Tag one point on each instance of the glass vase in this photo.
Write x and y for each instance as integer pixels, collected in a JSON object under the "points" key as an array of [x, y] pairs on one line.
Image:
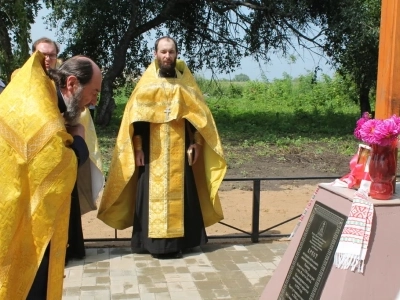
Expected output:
{"points": [[382, 170]]}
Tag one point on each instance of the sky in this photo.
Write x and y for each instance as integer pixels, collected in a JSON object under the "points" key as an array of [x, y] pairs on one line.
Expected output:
{"points": [[305, 61]]}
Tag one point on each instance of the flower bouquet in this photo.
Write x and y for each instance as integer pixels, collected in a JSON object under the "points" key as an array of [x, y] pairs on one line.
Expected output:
{"points": [[378, 132], [382, 137]]}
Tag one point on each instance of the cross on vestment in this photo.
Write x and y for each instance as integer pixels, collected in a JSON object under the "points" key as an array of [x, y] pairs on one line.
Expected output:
{"points": [[167, 112]]}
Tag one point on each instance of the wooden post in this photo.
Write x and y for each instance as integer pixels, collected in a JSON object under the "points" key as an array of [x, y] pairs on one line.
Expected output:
{"points": [[388, 84]]}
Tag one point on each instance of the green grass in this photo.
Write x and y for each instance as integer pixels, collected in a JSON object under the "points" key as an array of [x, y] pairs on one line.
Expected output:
{"points": [[286, 116]]}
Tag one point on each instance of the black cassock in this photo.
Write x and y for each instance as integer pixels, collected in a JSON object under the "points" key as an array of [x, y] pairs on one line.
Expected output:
{"points": [[76, 245], [195, 234]]}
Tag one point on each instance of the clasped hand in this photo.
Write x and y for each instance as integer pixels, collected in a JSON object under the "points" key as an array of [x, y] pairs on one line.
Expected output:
{"points": [[77, 129], [197, 151]]}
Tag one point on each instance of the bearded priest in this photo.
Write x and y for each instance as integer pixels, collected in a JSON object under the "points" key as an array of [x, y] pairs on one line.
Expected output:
{"points": [[168, 163], [40, 156]]}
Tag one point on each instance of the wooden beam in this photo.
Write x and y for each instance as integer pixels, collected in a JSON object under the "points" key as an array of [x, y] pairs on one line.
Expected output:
{"points": [[388, 83]]}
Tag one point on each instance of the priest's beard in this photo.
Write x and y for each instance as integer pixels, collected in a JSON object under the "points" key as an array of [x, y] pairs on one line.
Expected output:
{"points": [[167, 70], [73, 112]]}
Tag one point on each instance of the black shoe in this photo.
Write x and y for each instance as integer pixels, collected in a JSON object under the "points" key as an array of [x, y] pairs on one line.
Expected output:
{"points": [[171, 255]]}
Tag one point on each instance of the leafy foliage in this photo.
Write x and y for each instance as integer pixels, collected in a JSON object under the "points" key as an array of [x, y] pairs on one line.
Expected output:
{"points": [[15, 20], [352, 41], [211, 34], [241, 77]]}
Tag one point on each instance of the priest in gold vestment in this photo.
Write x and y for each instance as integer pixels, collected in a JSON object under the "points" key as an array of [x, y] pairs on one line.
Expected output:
{"points": [[38, 173], [90, 180], [39, 157], [151, 184]]}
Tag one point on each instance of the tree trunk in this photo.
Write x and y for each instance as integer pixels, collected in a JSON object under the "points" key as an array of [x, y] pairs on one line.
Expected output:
{"points": [[365, 106], [107, 102], [7, 58]]}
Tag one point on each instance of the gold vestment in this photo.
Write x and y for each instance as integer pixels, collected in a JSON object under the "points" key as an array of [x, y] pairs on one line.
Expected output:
{"points": [[38, 173], [165, 103], [90, 182]]}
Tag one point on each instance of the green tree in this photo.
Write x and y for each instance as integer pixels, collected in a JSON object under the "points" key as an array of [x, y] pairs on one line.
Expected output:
{"points": [[16, 17], [241, 77], [213, 34], [352, 41]]}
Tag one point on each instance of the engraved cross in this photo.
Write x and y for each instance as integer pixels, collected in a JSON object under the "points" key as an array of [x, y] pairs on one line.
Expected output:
{"points": [[12, 108], [167, 112]]}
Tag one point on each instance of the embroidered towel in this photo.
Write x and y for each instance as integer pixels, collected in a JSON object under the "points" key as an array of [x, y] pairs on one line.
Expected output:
{"points": [[353, 243]]}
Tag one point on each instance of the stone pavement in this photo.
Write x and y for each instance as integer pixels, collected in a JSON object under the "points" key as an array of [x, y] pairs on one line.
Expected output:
{"points": [[213, 271]]}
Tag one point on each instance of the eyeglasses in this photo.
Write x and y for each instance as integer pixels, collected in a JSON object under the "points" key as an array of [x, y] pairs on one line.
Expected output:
{"points": [[50, 56]]}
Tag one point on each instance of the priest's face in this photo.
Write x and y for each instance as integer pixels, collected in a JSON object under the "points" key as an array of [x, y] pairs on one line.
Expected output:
{"points": [[73, 112], [50, 52], [166, 55], [91, 90]]}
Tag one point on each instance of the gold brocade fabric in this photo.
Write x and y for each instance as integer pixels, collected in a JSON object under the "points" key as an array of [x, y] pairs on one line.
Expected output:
{"points": [[164, 101], [167, 142], [90, 175], [91, 138], [37, 175]]}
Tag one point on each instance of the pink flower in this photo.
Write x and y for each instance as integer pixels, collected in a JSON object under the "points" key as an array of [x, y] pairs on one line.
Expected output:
{"points": [[367, 130], [365, 117], [396, 119], [386, 132], [379, 132]]}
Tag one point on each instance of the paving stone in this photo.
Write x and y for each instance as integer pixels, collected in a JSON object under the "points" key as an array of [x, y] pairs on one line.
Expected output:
{"points": [[153, 288], [174, 286], [182, 270], [120, 251], [163, 296], [147, 296], [88, 281], [178, 277], [221, 294], [225, 266], [103, 264], [102, 280], [72, 291], [185, 295], [142, 279], [149, 271], [95, 272], [160, 277], [209, 285], [240, 248], [125, 296], [213, 271], [75, 273], [207, 294], [72, 283], [188, 286], [126, 273]]}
